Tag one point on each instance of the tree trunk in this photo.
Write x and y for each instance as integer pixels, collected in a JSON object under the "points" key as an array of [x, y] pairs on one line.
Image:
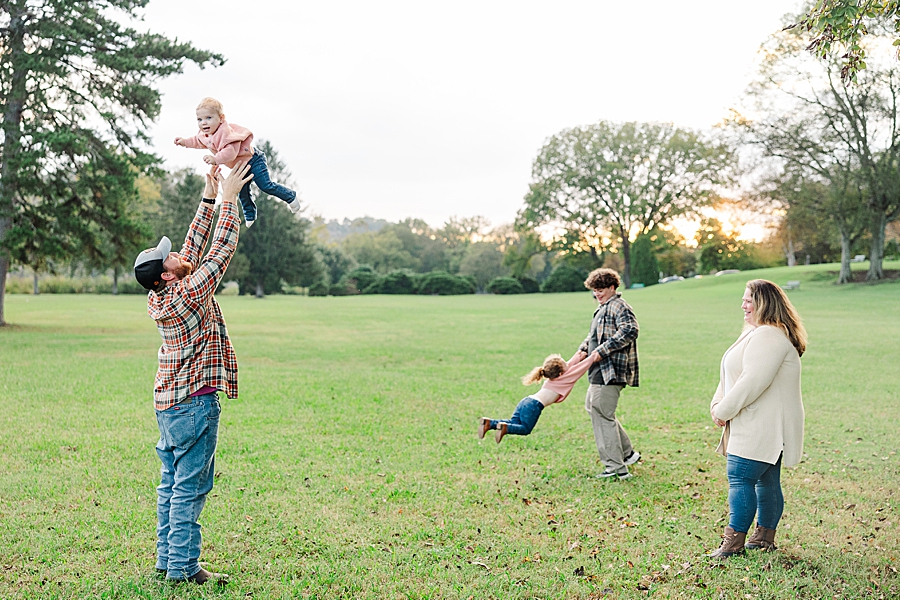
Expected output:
{"points": [[876, 251], [37, 290], [260, 293], [626, 257], [115, 288], [12, 132], [4, 269], [845, 276], [789, 253]]}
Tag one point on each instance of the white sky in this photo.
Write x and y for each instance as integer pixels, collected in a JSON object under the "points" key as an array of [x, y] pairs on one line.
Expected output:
{"points": [[432, 109]]}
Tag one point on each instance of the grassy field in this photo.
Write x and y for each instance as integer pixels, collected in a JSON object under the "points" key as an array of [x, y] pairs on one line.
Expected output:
{"points": [[349, 466]]}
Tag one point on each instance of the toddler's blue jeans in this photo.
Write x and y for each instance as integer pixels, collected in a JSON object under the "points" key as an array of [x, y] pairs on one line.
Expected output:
{"points": [[524, 418], [260, 170]]}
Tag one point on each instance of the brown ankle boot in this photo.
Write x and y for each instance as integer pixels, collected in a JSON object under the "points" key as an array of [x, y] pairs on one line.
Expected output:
{"points": [[501, 431], [732, 544], [762, 539]]}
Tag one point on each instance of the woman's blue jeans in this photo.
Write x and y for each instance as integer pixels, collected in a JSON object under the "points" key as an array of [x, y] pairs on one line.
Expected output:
{"points": [[524, 418], [188, 433], [260, 170], [754, 488]]}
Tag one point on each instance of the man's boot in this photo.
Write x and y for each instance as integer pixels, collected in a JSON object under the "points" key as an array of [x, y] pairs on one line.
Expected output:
{"points": [[732, 544], [762, 539]]}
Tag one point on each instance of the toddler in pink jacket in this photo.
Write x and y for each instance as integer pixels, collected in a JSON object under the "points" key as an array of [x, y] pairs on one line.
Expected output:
{"points": [[231, 144], [561, 377]]}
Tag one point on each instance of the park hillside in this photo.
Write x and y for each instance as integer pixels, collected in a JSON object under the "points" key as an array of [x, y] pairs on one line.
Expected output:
{"points": [[349, 466]]}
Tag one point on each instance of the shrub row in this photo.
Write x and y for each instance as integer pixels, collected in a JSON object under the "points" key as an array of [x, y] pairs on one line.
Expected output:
{"points": [[365, 281], [72, 285]]}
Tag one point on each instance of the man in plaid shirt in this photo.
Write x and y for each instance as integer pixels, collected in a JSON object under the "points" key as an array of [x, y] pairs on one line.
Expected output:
{"points": [[196, 360], [614, 332]]}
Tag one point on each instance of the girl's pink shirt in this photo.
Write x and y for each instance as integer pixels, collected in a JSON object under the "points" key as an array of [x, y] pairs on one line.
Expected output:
{"points": [[230, 144], [563, 384]]}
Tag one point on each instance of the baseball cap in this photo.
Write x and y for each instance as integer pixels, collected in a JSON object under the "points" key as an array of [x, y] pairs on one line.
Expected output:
{"points": [[148, 268]]}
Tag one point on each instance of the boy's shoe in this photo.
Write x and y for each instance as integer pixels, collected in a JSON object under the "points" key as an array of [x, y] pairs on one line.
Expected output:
{"points": [[484, 424], [249, 222], [294, 205], [607, 474], [501, 431], [635, 456]]}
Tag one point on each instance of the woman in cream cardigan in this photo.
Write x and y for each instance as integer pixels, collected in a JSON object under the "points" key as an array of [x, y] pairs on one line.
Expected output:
{"points": [[758, 403]]}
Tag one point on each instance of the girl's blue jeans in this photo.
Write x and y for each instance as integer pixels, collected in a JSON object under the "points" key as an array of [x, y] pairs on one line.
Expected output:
{"points": [[754, 488], [260, 170], [524, 418], [188, 433]]}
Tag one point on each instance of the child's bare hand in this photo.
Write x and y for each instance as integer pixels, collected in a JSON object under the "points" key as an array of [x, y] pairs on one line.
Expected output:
{"points": [[209, 159], [179, 141]]}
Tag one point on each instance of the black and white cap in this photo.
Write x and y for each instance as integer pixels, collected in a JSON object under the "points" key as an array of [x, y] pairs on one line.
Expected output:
{"points": [[148, 268]]}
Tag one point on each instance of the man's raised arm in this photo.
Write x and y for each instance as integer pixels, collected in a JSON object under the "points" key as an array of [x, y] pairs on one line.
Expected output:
{"points": [[198, 232], [203, 282]]}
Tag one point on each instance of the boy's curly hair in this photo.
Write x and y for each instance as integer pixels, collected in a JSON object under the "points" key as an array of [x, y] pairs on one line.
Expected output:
{"points": [[553, 367], [212, 104], [600, 279]]}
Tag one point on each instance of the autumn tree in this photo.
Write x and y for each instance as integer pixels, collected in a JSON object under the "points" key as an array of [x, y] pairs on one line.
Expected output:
{"points": [[623, 179], [846, 138]]}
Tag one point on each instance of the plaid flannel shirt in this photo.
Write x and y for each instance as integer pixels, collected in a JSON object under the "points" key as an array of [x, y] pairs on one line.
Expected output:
{"points": [[196, 351], [614, 332]]}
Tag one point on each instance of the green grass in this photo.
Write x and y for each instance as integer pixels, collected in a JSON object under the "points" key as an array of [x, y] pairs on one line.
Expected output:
{"points": [[349, 467]]}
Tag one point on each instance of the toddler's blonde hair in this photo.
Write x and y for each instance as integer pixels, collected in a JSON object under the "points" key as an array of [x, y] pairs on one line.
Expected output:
{"points": [[212, 104], [553, 367]]}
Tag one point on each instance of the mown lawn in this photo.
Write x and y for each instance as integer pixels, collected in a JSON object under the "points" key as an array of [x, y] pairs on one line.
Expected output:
{"points": [[349, 466]]}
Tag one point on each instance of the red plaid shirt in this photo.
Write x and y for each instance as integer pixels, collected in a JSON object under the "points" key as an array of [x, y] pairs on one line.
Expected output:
{"points": [[196, 351]]}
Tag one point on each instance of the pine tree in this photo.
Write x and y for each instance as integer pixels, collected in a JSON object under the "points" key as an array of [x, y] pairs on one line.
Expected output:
{"points": [[76, 87]]}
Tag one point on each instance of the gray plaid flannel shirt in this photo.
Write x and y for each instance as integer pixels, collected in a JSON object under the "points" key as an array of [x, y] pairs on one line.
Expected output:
{"points": [[614, 332]]}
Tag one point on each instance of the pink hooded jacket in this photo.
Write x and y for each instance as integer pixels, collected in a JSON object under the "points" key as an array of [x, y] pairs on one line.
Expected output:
{"points": [[230, 144]]}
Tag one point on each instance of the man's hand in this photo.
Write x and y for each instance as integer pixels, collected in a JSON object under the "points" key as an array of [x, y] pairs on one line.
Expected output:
{"points": [[580, 356], [595, 355], [212, 184], [209, 159], [232, 184], [179, 141]]}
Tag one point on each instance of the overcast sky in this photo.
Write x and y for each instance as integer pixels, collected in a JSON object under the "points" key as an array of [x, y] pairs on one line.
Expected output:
{"points": [[434, 109]]}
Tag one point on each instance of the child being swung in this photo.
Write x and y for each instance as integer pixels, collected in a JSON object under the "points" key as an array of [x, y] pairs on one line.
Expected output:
{"points": [[231, 144], [561, 377]]}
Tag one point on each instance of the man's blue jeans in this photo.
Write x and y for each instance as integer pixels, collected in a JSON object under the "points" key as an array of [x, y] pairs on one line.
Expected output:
{"points": [[261, 178], [754, 487], [524, 418], [187, 446]]}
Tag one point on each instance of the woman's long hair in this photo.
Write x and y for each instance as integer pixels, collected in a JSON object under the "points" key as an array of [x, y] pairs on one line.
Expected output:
{"points": [[553, 367], [771, 306]]}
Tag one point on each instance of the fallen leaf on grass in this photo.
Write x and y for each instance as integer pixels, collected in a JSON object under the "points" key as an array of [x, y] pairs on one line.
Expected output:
{"points": [[478, 564], [248, 517]]}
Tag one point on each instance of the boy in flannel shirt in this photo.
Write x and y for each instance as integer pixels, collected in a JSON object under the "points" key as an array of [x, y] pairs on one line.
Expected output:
{"points": [[196, 360], [613, 335]]}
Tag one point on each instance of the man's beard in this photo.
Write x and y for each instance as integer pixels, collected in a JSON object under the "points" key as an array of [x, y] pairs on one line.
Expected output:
{"points": [[182, 270]]}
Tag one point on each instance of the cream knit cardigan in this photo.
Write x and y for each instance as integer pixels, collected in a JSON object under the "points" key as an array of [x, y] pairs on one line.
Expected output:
{"points": [[759, 398]]}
